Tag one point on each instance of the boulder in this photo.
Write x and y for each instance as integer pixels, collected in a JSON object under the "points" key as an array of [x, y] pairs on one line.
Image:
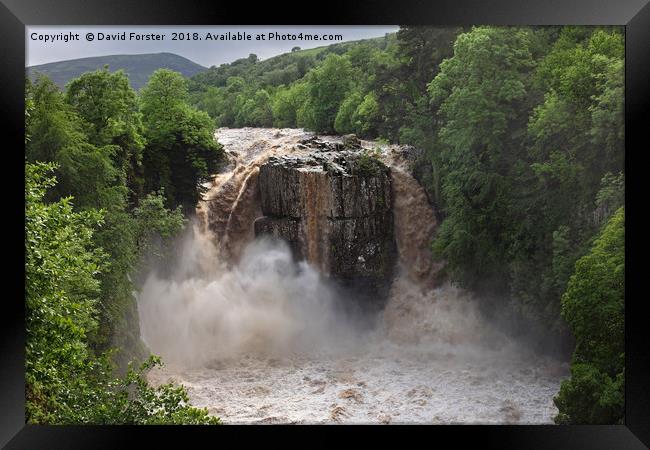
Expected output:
{"points": [[351, 141]]}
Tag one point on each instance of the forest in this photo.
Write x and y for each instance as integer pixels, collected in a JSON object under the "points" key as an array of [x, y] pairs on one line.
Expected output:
{"points": [[521, 132]]}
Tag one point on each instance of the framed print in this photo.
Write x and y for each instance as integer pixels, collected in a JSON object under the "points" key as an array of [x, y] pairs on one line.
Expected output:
{"points": [[415, 214]]}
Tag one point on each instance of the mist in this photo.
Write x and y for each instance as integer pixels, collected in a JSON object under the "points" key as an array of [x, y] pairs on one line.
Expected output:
{"points": [[270, 305], [267, 304]]}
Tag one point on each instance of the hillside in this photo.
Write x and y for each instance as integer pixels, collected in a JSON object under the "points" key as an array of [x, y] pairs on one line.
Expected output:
{"points": [[281, 69], [137, 67]]}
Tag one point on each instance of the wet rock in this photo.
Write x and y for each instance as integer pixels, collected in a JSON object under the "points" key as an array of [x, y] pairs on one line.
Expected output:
{"points": [[335, 210], [319, 145], [285, 228], [351, 141]]}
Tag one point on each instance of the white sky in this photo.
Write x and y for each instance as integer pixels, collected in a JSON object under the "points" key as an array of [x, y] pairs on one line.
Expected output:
{"points": [[206, 53]]}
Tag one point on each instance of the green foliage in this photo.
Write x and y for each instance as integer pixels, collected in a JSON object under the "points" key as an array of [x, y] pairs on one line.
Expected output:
{"points": [[367, 116], [81, 259], [610, 197], [131, 400], [401, 79], [593, 306], [480, 101], [181, 151], [60, 292], [522, 142], [479, 97], [93, 174], [256, 111], [288, 105], [567, 160], [279, 70], [154, 227], [423, 48], [153, 219], [346, 117], [87, 173], [327, 86], [369, 87], [582, 114], [367, 164], [66, 382], [591, 397], [52, 123], [110, 115]]}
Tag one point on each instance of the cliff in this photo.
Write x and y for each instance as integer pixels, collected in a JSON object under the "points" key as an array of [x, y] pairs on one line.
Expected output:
{"points": [[334, 208]]}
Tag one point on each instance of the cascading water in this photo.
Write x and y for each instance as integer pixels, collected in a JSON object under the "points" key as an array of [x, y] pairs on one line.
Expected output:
{"points": [[257, 337]]}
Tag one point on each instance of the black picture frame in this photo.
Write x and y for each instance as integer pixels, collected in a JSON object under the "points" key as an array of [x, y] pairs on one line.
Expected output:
{"points": [[633, 14]]}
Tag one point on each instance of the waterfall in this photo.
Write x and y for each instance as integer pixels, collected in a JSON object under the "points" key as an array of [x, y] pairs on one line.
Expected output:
{"points": [[262, 333]]}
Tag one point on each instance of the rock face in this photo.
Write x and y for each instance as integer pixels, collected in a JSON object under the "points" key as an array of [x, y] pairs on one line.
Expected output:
{"points": [[334, 208]]}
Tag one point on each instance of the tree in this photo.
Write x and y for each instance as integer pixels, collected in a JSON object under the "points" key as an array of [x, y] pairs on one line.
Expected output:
{"points": [[101, 105], [181, 152], [593, 306], [288, 105], [582, 113], [574, 140], [400, 76], [424, 48], [111, 115], [367, 116], [66, 383], [256, 111], [52, 123], [219, 103], [482, 96], [346, 115], [89, 172], [327, 86], [61, 290], [106, 173], [358, 114]]}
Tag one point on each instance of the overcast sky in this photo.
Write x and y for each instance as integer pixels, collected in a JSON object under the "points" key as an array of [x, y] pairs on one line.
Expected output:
{"points": [[204, 52]]}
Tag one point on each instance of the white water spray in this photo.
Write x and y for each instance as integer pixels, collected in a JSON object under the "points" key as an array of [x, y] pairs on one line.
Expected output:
{"points": [[266, 305]]}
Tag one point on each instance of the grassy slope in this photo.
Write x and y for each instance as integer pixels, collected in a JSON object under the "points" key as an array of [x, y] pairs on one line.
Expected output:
{"points": [[280, 69]]}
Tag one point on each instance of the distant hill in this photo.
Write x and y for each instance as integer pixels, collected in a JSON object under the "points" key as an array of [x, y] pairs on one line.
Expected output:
{"points": [[137, 67]]}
